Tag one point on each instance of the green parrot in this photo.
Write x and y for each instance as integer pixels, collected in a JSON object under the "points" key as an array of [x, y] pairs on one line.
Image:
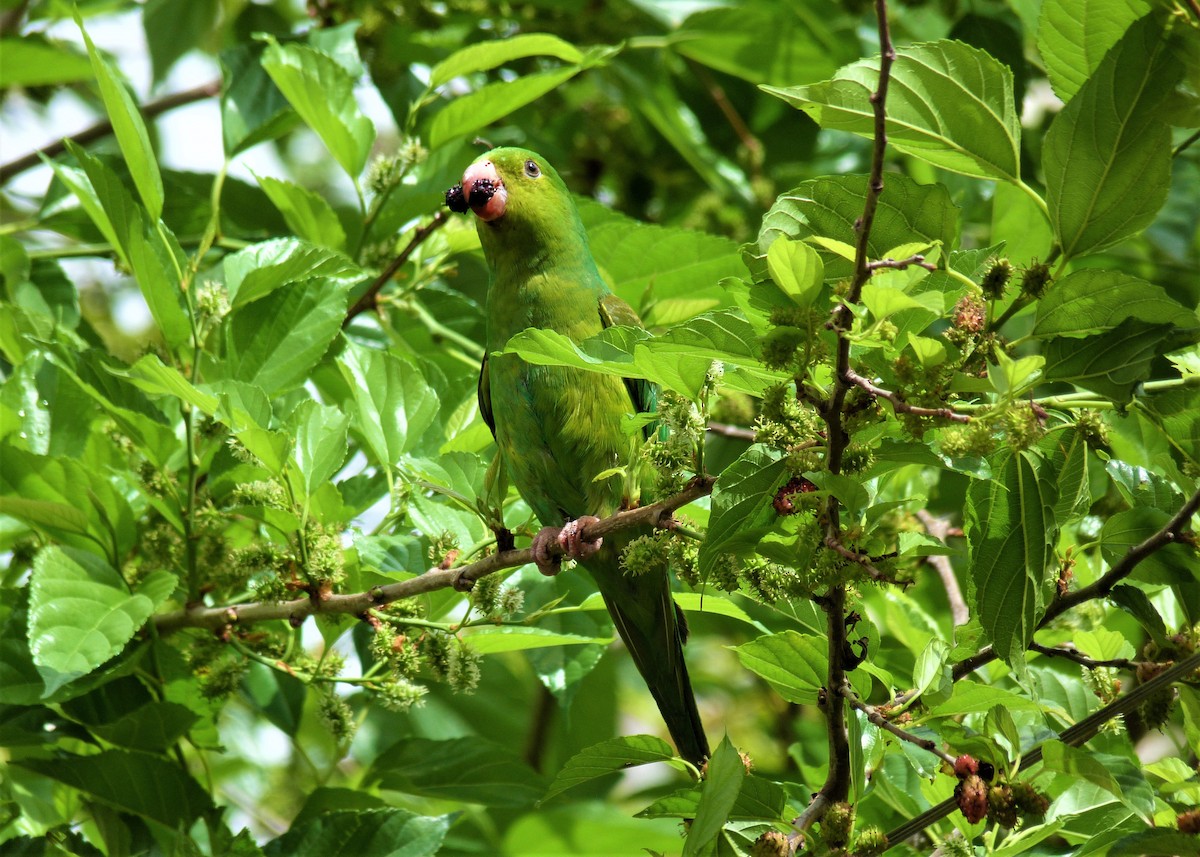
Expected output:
{"points": [[558, 428]]}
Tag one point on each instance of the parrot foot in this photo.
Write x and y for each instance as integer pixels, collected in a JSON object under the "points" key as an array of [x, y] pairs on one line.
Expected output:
{"points": [[571, 538], [548, 563]]}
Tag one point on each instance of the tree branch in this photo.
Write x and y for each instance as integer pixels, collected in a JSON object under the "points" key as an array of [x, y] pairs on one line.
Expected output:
{"points": [[939, 528], [898, 404], [370, 298], [104, 127], [901, 264], [461, 578], [1077, 735], [874, 715], [1082, 659], [1170, 532], [737, 432]]}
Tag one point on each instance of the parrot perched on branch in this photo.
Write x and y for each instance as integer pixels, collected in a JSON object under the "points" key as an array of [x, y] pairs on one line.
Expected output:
{"points": [[558, 428]]}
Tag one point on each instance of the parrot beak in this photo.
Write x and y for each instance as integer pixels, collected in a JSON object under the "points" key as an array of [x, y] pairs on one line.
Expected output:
{"points": [[484, 191]]}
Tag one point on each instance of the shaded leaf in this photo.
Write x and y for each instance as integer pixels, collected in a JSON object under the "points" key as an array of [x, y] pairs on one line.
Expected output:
{"points": [[464, 769], [1092, 300], [362, 833], [488, 55], [1074, 35], [608, 757], [469, 113], [722, 784]]}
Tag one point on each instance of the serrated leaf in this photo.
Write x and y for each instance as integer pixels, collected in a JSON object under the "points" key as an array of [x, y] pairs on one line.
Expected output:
{"points": [[973, 698], [154, 727], [758, 800], [949, 104], [796, 665], [261, 268], [483, 56], [469, 113], [1112, 363], [173, 29], [393, 404], [796, 269], [741, 503], [489, 641], [362, 833], [81, 614], [1107, 155], [306, 213], [722, 783], [273, 342], [320, 448], [608, 757], [128, 127], [1074, 35], [759, 41], [1177, 414], [1091, 300], [1010, 532], [253, 109], [322, 92], [463, 769], [826, 208], [33, 61], [138, 783]]}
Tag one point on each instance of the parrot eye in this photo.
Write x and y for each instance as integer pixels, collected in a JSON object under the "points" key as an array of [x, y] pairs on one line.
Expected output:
{"points": [[532, 169]]}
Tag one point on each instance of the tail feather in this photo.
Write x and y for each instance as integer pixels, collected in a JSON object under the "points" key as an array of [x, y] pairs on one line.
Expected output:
{"points": [[654, 631]]}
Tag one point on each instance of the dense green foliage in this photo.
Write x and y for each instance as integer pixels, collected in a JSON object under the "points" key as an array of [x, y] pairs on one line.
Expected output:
{"points": [[956, 453]]}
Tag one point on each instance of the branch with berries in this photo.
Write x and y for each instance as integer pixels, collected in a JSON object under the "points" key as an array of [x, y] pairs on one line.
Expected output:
{"points": [[461, 577]]}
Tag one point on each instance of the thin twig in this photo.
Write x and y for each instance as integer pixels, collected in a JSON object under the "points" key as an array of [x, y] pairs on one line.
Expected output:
{"points": [[1075, 736], [370, 298], [104, 127], [1080, 658], [736, 432], [940, 529], [901, 264], [1170, 533], [898, 404], [863, 560], [296, 611], [1178, 150], [874, 715]]}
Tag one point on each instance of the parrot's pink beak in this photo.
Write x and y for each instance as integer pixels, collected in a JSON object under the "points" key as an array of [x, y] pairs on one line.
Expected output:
{"points": [[484, 190]]}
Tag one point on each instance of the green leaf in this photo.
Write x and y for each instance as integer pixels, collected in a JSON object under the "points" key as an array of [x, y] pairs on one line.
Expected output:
{"points": [[1107, 155], [463, 769], [1177, 414], [137, 783], [1111, 364], [1092, 300], [306, 213], [1090, 766], [33, 61], [667, 275], [608, 757], [273, 342], [492, 102], [320, 432], [173, 29], [20, 681], [1074, 35], [81, 613], [144, 243], [796, 665], [1163, 842], [261, 268], [362, 833], [394, 406], [761, 42], [488, 55], [1141, 488], [758, 800], [723, 782], [1010, 532], [742, 504], [949, 104], [129, 129], [322, 92], [155, 727], [1137, 604], [253, 109], [489, 641], [829, 206], [972, 698], [797, 269]]}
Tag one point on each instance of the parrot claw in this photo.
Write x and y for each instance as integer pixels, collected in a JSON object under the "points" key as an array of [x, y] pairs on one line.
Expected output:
{"points": [[548, 563], [571, 538]]}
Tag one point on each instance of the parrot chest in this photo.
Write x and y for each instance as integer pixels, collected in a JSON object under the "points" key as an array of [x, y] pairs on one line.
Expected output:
{"points": [[557, 429]]}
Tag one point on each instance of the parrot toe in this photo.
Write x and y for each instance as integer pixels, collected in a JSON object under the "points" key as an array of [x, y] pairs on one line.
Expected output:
{"points": [[548, 563], [571, 538]]}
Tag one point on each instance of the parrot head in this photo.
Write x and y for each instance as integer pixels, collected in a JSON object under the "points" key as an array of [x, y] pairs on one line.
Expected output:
{"points": [[515, 193]]}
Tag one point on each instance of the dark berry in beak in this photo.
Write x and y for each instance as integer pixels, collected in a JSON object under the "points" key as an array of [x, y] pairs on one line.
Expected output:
{"points": [[456, 200], [482, 191]]}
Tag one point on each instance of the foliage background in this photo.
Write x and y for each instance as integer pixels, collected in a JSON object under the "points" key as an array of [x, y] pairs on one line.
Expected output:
{"points": [[245, 444]]}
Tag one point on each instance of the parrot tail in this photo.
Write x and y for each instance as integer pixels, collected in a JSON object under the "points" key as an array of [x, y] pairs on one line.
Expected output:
{"points": [[654, 631]]}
